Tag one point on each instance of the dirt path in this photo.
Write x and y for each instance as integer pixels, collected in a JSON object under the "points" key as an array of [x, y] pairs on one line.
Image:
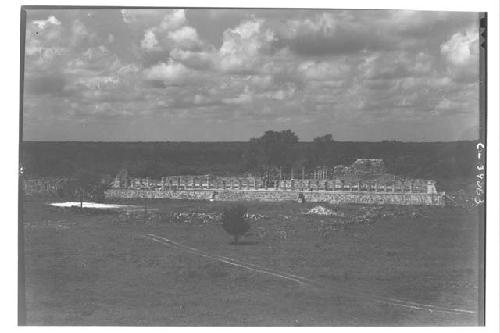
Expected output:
{"points": [[310, 283]]}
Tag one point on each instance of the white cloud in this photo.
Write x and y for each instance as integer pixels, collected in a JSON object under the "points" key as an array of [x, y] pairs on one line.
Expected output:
{"points": [[173, 19], [242, 45], [244, 98], [323, 23], [324, 70], [128, 69], [169, 71], [281, 94], [199, 60], [261, 82], [98, 82], [134, 16], [43, 42], [42, 24], [92, 62], [171, 32], [203, 100], [184, 36], [80, 34], [149, 42], [461, 48]]}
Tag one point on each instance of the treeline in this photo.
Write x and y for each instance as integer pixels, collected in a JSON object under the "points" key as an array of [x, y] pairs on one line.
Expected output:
{"points": [[450, 163]]}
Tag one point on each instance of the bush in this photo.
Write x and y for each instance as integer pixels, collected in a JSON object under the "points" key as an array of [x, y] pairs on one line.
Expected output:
{"points": [[234, 221]]}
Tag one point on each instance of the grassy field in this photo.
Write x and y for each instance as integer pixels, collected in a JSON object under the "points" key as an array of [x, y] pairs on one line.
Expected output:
{"points": [[99, 268]]}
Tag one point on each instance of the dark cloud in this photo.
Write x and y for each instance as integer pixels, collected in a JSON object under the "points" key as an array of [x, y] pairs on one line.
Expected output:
{"points": [[342, 43], [44, 85]]}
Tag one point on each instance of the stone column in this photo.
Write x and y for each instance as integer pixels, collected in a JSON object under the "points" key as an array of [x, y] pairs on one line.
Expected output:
{"points": [[431, 188], [292, 184]]}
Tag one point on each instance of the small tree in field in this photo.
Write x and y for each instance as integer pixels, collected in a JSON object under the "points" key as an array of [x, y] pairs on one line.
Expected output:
{"points": [[85, 184], [234, 221]]}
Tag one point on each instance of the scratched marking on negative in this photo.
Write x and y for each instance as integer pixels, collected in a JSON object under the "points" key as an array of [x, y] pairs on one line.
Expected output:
{"points": [[480, 175], [304, 281]]}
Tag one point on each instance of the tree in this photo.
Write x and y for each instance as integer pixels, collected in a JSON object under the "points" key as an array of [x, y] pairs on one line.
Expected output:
{"points": [[271, 150], [234, 221], [325, 139], [322, 150], [86, 184]]}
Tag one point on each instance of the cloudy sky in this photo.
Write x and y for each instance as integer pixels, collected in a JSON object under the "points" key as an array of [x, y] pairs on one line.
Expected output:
{"points": [[193, 75]]}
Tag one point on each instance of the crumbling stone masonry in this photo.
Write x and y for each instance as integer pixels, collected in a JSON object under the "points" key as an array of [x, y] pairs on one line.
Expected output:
{"points": [[365, 181], [411, 192], [43, 186], [334, 197]]}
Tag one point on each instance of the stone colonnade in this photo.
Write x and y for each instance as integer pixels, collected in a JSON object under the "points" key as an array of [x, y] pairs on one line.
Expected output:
{"points": [[253, 183]]}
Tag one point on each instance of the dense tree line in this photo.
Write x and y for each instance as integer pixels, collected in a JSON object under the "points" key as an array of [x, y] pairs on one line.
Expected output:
{"points": [[450, 163]]}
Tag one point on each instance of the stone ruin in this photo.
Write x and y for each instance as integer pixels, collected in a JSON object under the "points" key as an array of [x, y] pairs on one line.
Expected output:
{"points": [[364, 181], [362, 167]]}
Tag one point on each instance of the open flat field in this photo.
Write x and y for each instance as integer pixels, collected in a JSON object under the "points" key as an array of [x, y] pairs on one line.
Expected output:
{"points": [[366, 266]]}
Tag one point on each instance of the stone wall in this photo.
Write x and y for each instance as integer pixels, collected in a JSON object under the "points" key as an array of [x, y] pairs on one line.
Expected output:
{"points": [[334, 197], [250, 183], [43, 186]]}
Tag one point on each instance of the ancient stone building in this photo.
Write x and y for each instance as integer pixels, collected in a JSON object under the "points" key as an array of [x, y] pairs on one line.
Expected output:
{"points": [[365, 181]]}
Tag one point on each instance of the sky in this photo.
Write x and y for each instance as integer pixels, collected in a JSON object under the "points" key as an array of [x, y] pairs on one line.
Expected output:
{"points": [[231, 74]]}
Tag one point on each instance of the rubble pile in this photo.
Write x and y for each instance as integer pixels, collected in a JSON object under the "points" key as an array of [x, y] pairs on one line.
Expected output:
{"points": [[194, 217], [255, 217], [367, 215], [323, 211], [336, 220], [178, 217]]}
